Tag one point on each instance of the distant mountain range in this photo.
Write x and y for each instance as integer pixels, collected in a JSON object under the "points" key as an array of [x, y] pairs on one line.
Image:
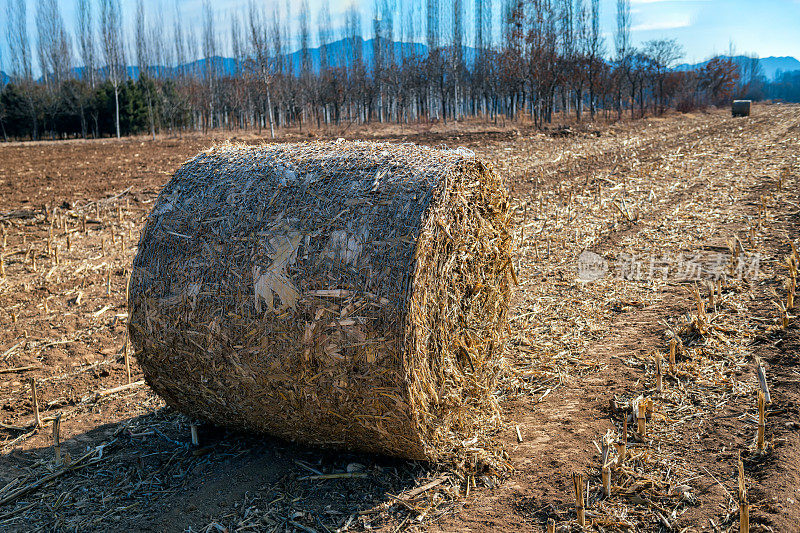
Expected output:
{"points": [[771, 66], [340, 52]]}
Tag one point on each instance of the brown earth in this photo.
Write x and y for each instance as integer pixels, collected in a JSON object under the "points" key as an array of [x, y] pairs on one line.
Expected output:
{"points": [[666, 188]]}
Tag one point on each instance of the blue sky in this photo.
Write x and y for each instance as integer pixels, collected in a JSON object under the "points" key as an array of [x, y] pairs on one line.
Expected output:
{"points": [[707, 27], [703, 27]]}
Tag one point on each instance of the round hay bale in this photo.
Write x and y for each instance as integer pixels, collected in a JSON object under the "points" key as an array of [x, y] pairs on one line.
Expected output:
{"points": [[345, 294]]}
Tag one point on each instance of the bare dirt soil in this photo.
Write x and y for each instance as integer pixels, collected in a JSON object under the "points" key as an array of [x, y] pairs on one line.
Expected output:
{"points": [[691, 219]]}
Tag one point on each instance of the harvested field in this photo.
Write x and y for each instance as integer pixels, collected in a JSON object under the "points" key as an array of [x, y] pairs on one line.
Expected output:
{"points": [[690, 221]]}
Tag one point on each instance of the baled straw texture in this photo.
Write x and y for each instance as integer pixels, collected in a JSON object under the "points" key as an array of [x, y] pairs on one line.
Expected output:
{"points": [[741, 108], [346, 294]]}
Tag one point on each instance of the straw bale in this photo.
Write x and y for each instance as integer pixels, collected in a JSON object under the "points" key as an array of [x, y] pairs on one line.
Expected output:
{"points": [[344, 294], [741, 108]]}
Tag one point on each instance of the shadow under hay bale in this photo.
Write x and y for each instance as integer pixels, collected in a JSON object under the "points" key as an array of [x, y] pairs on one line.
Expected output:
{"points": [[346, 294]]}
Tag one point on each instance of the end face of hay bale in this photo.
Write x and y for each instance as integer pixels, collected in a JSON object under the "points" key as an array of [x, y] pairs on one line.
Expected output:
{"points": [[350, 295], [741, 108]]}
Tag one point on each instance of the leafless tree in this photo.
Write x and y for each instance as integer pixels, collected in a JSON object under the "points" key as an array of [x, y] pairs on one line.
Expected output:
{"points": [[622, 44], [578, 70], [280, 65], [178, 39], [436, 92], [482, 66], [140, 44], [212, 66], [17, 39], [595, 52], [181, 54], [54, 51], [113, 48], [457, 57], [259, 45], [145, 53], [622, 37], [751, 77], [157, 50], [87, 51], [86, 40], [662, 54], [20, 52], [53, 44]]}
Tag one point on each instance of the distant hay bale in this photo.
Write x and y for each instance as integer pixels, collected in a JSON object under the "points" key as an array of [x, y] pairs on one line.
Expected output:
{"points": [[345, 294], [741, 108]]}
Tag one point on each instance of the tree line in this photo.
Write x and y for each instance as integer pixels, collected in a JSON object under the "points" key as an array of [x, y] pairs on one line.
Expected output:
{"points": [[295, 70]]}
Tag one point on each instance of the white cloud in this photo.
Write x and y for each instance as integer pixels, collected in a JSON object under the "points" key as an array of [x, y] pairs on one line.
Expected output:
{"points": [[673, 1], [669, 24]]}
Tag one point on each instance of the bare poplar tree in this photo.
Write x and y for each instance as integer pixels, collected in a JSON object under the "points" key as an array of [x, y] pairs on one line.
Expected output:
{"points": [[378, 47], [237, 45], [595, 50], [409, 25], [280, 66], [622, 45], [389, 63], [432, 27], [305, 49], [140, 40], [307, 86], [457, 56], [178, 40], [20, 52], [211, 65], [434, 68], [144, 47], [113, 48], [354, 34], [357, 72], [17, 39], [87, 52], [324, 35], [483, 43], [86, 43], [54, 52], [480, 17], [259, 47], [622, 37], [581, 53], [288, 34], [53, 44], [158, 52]]}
